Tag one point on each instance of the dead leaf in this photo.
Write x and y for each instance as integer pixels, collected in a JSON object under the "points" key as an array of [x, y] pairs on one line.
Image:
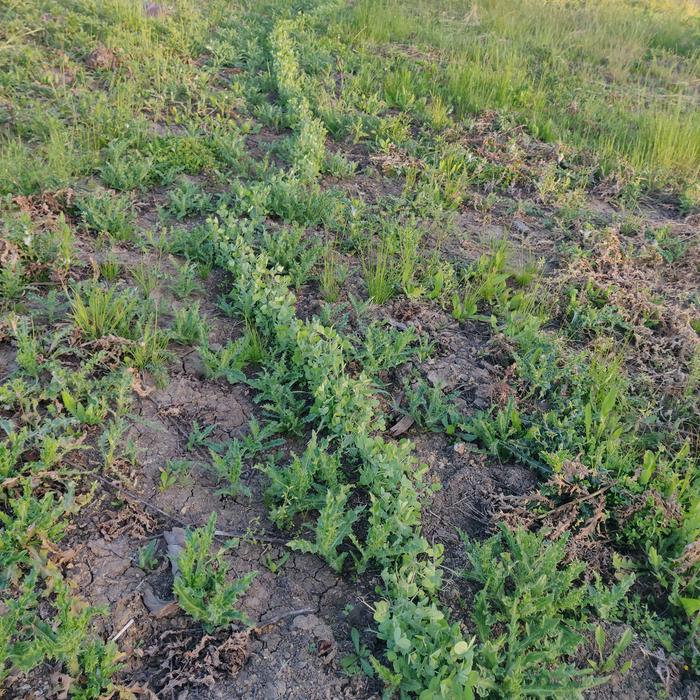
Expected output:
{"points": [[190, 658], [128, 520], [62, 685], [175, 539], [137, 384], [401, 427], [327, 650], [157, 607]]}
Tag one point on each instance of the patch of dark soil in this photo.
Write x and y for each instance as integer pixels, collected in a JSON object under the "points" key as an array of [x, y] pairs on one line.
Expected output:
{"points": [[366, 185], [472, 486], [7, 360], [260, 144], [187, 400], [464, 363], [473, 233]]}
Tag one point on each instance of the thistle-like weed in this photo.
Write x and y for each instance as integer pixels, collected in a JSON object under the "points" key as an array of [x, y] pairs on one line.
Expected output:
{"points": [[202, 585], [189, 326]]}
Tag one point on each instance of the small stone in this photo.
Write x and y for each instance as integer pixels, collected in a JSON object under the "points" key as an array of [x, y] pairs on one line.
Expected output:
{"points": [[275, 691], [313, 624], [153, 9], [520, 226], [460, 448]]}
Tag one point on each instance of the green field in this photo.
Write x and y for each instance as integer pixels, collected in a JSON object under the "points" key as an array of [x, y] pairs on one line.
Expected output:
{"points": [[350, 349]]}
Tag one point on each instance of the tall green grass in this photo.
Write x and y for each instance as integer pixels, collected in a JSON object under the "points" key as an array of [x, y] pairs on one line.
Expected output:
{"points": [[616, 77]]}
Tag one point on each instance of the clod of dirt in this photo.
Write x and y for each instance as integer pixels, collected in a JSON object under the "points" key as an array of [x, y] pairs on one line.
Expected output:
{"points": [[460, 448], [102, 58], [521, 226], [154, 9], [315, 625], [327, 648], [401, 426]]}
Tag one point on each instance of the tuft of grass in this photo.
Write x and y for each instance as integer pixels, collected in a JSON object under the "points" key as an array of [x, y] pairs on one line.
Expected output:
{"points": [[379, 269], [189, 326], [100, 311], [333, 273], [544, 69]]}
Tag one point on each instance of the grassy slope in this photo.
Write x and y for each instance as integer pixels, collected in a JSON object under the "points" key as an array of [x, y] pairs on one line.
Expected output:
{"points": [[374, 130], [617, 78]]}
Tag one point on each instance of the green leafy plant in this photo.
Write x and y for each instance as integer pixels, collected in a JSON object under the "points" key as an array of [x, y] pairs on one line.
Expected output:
{"points": [[202, 585], [27, 640], [333, 527], [289, 248], [189, 326], [385, 348], [31, 524], [174, 154], [531, 615], [125, 168], [670, 247], [13, 280], [98, 311], [276, 565], [431, 408], [229, 361], [199, 436], [427, 656], [229, 459], [187, 199], [146, 276], [148, 556], [228, 467], [360, 660], [108, 214], [91, 413], [109, 268], [150, 350], [280, 394], [175, 471], [300, 486], [485, 281], [186, 281]]}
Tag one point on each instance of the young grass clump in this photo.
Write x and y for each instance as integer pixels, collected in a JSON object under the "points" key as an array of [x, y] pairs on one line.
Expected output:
{"points": [[189, 326], [101, 311], [380, 271]]}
